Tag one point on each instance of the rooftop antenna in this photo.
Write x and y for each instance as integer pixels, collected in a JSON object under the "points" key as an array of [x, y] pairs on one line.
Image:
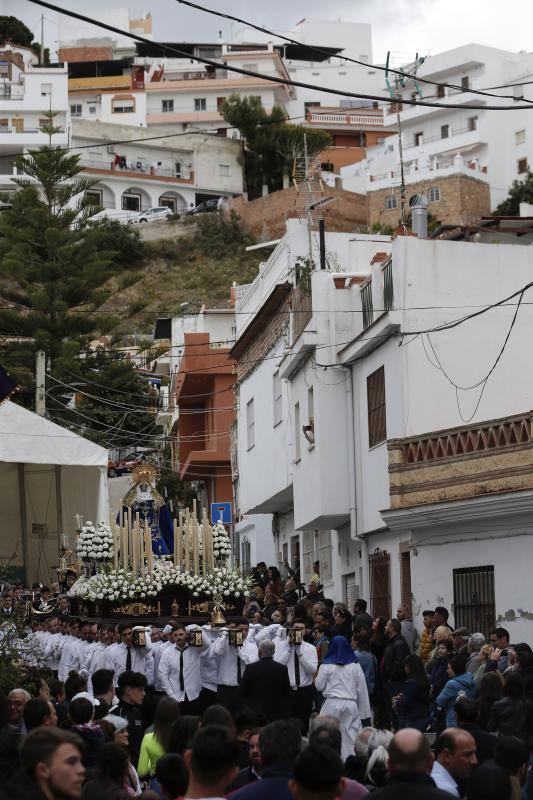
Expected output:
{"points": [[400, 80]]}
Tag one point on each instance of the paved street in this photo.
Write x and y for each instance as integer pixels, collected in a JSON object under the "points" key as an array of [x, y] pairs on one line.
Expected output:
{"points": [[117, 489]]}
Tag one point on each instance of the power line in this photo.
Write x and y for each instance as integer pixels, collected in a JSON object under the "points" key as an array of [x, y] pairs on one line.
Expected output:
{"points": [[348, 59], [269, 78]]}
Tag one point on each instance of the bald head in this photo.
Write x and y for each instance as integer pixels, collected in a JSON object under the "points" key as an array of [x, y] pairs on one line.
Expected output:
{"points": [[409, 751], [266, 649], [456, 751]]}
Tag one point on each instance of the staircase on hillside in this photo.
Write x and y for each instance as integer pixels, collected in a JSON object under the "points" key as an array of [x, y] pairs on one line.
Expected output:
{"points": [[309, 190]]}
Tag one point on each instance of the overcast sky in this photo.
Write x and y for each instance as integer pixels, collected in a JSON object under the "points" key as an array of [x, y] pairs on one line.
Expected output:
{"points": [[402, 26]]}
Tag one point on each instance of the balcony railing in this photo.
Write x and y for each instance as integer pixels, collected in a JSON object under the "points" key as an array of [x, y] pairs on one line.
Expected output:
{"points": [[138, 167], [346, 118], [11, 129], [388, 287], [367, 304]]}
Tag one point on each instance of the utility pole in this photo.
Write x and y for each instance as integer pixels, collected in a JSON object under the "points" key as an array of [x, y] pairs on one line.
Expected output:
{"points": [[42, 40], [40, 385]]}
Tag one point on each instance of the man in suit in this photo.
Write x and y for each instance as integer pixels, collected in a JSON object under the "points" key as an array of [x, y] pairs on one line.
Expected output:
{"points": [[265, 685], [7, 610]]}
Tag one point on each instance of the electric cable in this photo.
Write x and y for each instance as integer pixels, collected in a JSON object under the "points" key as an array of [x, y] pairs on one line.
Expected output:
{"points": [[269, 78], [348, 59]]}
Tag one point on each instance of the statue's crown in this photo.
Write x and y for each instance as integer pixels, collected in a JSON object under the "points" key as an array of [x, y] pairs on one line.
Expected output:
{"points": [[144, 473]]}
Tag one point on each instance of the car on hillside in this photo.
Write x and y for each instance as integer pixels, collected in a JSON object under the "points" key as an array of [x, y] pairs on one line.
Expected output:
{"points": [[122, 466], [155, 214], [207, 205]]}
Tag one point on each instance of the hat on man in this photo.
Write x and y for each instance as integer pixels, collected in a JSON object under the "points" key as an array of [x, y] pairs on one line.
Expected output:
{"points": [[463, 633]]}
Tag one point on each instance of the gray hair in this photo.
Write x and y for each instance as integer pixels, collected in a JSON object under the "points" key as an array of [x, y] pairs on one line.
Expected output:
{"points": [[362, 738], [378, 762], [266, 647], [324, 723], [23, 692], [379, 738], [476, 642]]}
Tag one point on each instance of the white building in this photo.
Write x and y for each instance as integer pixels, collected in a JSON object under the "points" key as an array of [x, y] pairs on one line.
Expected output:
{"points": [[301, 482], [177, 172], [353, 433], [497, 143], [28, 92]]}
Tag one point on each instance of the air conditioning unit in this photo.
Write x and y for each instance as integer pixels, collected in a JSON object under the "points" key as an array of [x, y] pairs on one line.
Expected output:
{"points": [[111, 148]]}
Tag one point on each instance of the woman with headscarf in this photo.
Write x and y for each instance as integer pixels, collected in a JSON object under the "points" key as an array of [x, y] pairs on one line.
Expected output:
{"points": [[342, 683]]}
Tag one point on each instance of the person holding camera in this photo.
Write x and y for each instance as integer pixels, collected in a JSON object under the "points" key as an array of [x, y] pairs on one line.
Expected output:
{"points": [[134, 653], [301, 660], [179, 667]]}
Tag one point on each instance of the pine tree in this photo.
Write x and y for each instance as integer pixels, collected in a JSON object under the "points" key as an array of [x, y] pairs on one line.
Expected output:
{"points": [[49, 263]]}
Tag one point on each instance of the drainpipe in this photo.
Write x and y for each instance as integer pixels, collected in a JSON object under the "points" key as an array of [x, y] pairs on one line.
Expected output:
{"points": [[354, 536]]}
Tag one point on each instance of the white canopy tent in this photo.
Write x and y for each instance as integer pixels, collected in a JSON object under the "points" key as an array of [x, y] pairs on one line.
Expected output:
{"points": [[47, 475]]}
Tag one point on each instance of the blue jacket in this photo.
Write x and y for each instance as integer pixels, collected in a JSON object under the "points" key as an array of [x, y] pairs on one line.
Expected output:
{"points": [[274, 783], [462, 684], [368, 665]]}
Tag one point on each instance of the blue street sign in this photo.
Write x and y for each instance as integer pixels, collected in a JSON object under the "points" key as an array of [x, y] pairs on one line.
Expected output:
{"points": [[221, 512]]}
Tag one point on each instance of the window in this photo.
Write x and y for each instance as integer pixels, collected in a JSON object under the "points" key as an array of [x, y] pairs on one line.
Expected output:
{"points": [[131, 201], [46, 90], [444, 131], [441, 91], [473, 598], [434, 194], [167, 106], [125, 106], [377, 417], [277, 398], [418, 138], [309, 429], [390, 202], [380, 139], [75, 111], [220, 103], [520, 137], [169, 202], [250, 424], [200, 104], [94, 197], [223, 170], [472, 123], [465, 83], [92, 108], [522, 166], [325, 552], [297, 450]]}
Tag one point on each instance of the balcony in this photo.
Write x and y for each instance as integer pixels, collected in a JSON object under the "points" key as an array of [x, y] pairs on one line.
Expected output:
{"points": [[388, 286], [144, 171], [487, 458], [358, 119], [11, 91], [367, 304]]}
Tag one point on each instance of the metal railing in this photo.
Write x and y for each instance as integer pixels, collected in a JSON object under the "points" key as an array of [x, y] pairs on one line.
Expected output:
{"points": [[388, 287], [139, 167], [367, 304]]}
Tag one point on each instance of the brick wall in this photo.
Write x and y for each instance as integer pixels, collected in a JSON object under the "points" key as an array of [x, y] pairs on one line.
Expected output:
{"points": [[85, 54], [264, 218], [264, 342], [464, 199]]}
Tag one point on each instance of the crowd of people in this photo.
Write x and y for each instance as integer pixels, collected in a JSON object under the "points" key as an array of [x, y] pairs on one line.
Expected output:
{"points": [[301, 697]]}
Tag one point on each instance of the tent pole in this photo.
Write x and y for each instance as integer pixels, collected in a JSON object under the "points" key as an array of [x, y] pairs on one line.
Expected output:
{"points": [[23, 521], [59, 509]]}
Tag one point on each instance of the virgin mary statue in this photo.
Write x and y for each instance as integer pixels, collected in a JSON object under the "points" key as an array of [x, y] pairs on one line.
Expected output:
{"points": [[144, 499]]}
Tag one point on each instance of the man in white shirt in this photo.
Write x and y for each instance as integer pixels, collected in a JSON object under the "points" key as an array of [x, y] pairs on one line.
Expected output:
{"points": [[70, 652], [301, 661], [126, 655], [231, 662], [179, 668], [455, 758], [52, 649]]}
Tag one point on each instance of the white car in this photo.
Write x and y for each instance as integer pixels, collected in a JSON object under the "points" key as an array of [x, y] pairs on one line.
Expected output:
{"points": [[152, 215]]}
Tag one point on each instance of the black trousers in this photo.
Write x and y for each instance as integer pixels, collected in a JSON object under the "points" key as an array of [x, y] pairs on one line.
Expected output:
{"points": [[302, 704], [228, 696], [192, 707]]}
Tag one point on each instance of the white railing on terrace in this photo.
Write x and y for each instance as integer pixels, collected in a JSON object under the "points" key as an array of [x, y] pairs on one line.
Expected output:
{"points": [[348, 118], [426, 139], [240, 291], [432, 165], [275, 270], [11, 91], [135, 166], [11, 129]]}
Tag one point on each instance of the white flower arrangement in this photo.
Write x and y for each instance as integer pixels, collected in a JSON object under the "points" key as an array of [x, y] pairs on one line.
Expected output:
{"points": [[118, 584], [221, 544], [95, 542]]}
